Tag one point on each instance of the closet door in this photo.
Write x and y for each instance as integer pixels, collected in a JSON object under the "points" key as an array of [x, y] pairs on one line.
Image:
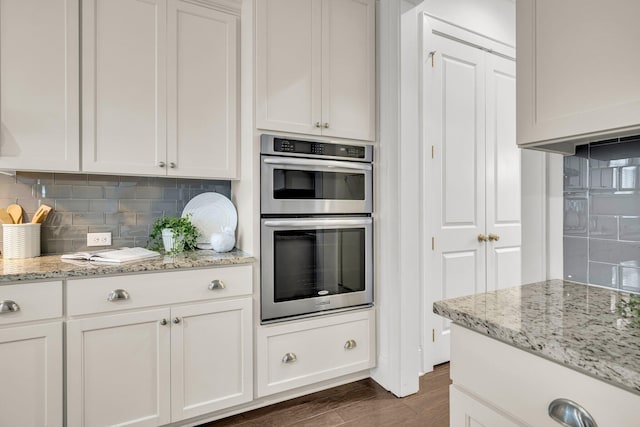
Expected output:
{"points": [[503, 176], [454, 117]]}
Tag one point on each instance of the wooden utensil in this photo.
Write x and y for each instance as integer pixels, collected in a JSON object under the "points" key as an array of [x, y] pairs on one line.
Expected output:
{"points": [[41, 214], [16, 213], [5, 218]]}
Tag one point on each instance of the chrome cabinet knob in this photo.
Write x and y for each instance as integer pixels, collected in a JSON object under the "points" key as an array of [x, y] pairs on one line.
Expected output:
{"points": [[570, 414], [482, 238], [8, 306], [161, 164], [163, 322], [176, 320], [317, 124], [118, 295], [172, 165], [326, 125], [216, 284], [350, 344], [289, 358], [493, 237]]}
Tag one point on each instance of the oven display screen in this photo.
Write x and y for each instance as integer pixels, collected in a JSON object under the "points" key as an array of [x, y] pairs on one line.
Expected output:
{"points": [[312, 263], [282, 145]]}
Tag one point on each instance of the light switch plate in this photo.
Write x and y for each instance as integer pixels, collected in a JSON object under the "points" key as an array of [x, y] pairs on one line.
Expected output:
{"points": [[99, 239]]}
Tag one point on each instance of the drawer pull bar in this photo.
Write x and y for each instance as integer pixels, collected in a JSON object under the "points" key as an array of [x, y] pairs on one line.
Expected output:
{"points": [[350, 344], [8, 306], [216, 284], [118, 295], [570, 414], [289, 358]]}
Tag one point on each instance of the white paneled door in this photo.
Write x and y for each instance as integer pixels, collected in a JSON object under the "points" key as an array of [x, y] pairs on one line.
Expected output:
{"points": [[473, 176]]}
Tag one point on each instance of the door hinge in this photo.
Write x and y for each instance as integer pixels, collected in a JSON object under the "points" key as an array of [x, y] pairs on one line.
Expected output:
{"points": [[433, 243], [432, 54], [433, 335], [433, 152]]}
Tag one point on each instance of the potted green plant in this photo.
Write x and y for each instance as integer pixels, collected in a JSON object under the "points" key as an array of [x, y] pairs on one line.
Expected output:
{"points": [[174, 234]]}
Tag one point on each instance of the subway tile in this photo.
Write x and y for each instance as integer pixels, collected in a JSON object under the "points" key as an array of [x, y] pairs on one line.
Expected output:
{"points": [[88, 218], [132, 231], [87, 192], [120, 192], [603, 227], [70, 179], [56, 219], [630, 228], [11, 190], [72, 205], [164, 182], [9, 180], [604, 274], [613, 252], [146, 218], [113, 229], [576, 258], [575, 173], [51, 246], [31, 178], [123, 242], [69, 232], [55, 191], [4, 202], [103, 180], [630, 279], [576, 216], [133, 181], [172, 194], [136, 206], [611, 152], [105, 206], [126, 218], [603, 179], [30, 205], [629, 178], [615, 204], [149, 192], [141, 241]]}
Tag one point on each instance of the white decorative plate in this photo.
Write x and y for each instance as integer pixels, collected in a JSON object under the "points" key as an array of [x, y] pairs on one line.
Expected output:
{"points": [[211, 213]]}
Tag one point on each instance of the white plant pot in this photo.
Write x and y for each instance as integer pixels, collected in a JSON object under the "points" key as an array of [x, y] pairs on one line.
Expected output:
{"points": [[170, 242]]}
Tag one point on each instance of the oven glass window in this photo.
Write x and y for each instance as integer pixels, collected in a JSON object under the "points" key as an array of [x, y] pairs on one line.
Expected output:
{"points": [[312, 263], [301, 184]]}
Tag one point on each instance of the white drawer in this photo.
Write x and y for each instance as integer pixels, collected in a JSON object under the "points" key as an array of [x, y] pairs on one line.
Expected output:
{"points": [[35, 301], [86, 296], [523, 385], [316, 350]]}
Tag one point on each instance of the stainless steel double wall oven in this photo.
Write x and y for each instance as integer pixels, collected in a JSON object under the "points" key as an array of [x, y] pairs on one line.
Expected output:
{"points": [[316, 226]]}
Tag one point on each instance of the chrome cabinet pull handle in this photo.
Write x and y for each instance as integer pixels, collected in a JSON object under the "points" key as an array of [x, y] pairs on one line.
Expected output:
{"points": [[570, 414], [118, 295], [289, 358], [216, 284], [176, 320], [493, 237], [350, 344], [161, 164], [172, 165], [163, 322], [8, 306], [482, 238]]}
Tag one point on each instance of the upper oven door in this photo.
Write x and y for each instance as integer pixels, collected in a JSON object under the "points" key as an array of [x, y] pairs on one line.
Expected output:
{"points": [[310, 186]]}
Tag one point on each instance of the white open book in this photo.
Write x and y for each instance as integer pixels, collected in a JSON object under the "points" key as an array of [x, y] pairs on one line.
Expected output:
{"points": [[114, 255]]}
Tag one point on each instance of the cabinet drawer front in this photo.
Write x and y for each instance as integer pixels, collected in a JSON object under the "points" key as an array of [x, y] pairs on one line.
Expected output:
{"points": [[86, 296], [34, 301], [306, 352]]}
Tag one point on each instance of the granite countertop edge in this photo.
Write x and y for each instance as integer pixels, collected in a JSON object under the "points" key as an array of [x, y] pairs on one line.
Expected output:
{"points": [[52, 267], [555, 346]]}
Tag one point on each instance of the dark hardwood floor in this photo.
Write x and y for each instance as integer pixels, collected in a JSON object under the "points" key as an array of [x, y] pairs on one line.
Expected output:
{"points": [[359, 404]]}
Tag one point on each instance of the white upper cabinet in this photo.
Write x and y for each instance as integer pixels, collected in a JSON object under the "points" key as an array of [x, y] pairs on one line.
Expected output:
{"points": [[159, 88], [577, 72], [315, 67], [39, 86]]}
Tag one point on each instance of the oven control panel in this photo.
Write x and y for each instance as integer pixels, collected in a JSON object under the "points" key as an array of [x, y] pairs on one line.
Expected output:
{"points": [[293, 146]]}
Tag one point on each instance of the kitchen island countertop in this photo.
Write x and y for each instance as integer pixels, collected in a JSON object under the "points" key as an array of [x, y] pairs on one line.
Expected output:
{"points": [[52, 267], [573, 324]]}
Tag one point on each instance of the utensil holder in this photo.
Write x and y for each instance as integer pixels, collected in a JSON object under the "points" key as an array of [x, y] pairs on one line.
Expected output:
{"points": [[20, 240]]}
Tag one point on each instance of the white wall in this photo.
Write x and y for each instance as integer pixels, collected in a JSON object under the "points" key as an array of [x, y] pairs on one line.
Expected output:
{"points": [[495, 19]]}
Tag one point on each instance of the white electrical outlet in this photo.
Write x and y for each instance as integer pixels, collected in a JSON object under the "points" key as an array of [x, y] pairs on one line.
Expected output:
{"points": [[99, 239]]}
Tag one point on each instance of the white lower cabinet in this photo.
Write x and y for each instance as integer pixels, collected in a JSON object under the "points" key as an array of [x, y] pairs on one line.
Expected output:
{"points": [[154, 366], [300, 353], [465, 410], [31, 374]]}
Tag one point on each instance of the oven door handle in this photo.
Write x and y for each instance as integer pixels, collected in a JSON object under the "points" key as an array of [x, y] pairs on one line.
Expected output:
{"points": [[317, 222], [329, 164]]}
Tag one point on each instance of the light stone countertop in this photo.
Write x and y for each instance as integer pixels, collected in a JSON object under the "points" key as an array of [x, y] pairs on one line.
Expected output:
{"points": [[52, 267], [569, 323]]}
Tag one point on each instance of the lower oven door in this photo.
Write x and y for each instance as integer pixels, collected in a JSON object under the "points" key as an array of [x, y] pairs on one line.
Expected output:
{"points": [[315, 264]]}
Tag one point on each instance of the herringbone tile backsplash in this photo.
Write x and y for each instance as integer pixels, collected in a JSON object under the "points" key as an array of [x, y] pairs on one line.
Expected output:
{"points": [[123, 205]]}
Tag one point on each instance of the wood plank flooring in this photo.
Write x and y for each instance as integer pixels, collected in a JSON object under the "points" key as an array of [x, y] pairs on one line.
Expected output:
{"points": [[359, 404]]}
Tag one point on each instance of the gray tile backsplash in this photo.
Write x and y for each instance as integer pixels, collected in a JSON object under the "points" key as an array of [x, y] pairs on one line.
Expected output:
{"points": [[123, 205], [602, 214]]}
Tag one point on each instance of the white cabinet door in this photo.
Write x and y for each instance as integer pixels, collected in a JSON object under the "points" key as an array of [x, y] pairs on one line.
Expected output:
{"points": [[288, 67], [118, 370], [464, 410], [578, 67], [503, 176], [348, 69], [39, 85], [202, 98], [124, 86], [455, 109], [211, 357], [31, 372]]}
